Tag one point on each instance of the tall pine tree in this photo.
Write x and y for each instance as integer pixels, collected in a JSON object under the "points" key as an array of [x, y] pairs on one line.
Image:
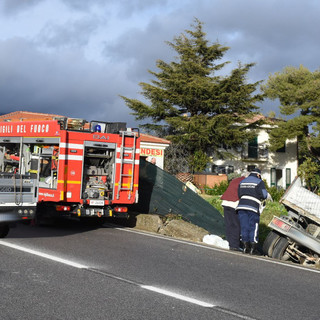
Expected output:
{"points": [[192, 102]]}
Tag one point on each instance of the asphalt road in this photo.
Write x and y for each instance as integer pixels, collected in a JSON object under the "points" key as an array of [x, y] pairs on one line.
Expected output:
{"points": [[75, 272]]}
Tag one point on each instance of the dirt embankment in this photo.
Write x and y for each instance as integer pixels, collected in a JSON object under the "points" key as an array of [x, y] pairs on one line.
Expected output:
{"points": [[176, 228]]}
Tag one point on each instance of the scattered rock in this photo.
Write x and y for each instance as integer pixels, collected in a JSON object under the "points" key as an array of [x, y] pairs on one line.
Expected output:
{"points": [[148, 222], [184, 230], [176, 228]]}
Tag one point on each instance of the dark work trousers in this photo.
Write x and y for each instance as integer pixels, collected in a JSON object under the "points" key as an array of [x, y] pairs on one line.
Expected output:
{"points": [[249, 223], [232, 224]]}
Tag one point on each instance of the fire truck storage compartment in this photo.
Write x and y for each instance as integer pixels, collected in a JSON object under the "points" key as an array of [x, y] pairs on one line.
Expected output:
{"points": [[98, 171], [18, 190], [9, 155], [37, 157]]}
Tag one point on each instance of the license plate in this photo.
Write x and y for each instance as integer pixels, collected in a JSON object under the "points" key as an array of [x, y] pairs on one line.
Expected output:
{"points": [[96, 202]]}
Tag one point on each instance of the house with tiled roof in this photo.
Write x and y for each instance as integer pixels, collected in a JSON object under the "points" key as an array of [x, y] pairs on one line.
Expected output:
{"points": [[278, 168]]}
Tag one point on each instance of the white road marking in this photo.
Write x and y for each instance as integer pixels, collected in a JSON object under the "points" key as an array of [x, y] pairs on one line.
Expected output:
{"points": [[44, 255], [81, 266], [178, 296], [235, 314]]}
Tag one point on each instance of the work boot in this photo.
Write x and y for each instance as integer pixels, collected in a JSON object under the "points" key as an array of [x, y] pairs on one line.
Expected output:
{"points": [[254, 249], [246, 247]]}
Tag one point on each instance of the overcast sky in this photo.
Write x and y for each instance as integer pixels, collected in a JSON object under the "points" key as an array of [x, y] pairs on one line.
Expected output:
{"points": [[75, 57]]}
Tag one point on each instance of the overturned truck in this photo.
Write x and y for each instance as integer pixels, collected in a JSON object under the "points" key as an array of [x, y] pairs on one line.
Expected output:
{"points": [[296, 237]]}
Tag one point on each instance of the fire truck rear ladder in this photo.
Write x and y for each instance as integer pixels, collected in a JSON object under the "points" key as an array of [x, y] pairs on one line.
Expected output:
{"points": [[130, 160]]}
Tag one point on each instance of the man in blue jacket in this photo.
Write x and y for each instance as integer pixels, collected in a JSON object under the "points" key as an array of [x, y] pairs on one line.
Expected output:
{"points": [[251, 191]]}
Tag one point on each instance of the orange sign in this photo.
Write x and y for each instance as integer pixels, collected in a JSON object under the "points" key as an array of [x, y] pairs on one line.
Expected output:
{"points": [[151, 152]]}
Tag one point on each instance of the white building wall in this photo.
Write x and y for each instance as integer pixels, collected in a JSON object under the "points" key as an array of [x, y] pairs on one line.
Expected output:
{"points": [[276, 163], [285, 161]]}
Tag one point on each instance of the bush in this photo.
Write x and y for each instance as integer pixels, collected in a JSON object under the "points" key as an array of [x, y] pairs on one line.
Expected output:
{"points": [[216, 202], [276, 193], [218, 189], [198, 161], [309, 172]]}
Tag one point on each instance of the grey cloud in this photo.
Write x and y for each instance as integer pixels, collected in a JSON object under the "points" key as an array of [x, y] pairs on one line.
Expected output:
{"points": [[14, 6], [126, 7], [65, 84], [273, 34], [140, 49], [71, 34], [83, 4]]}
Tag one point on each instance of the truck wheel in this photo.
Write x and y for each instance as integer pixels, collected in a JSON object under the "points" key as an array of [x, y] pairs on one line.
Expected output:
{"points": [[4, 230], [280, 248], [270, 242]]}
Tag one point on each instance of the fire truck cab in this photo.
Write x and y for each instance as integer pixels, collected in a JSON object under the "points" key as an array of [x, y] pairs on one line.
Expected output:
{"points": [[67, 167]]}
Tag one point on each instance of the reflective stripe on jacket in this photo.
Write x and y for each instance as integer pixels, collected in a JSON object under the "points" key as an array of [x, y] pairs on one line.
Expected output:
{"points": [[251, 192]]}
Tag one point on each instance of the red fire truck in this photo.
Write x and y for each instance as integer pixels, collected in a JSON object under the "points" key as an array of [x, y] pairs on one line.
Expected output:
{"points": [[67, 167]]}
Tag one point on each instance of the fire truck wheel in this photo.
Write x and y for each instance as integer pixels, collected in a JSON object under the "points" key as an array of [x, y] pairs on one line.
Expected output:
{"points": [[4, 230], [280, 248], [270, 242]]}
